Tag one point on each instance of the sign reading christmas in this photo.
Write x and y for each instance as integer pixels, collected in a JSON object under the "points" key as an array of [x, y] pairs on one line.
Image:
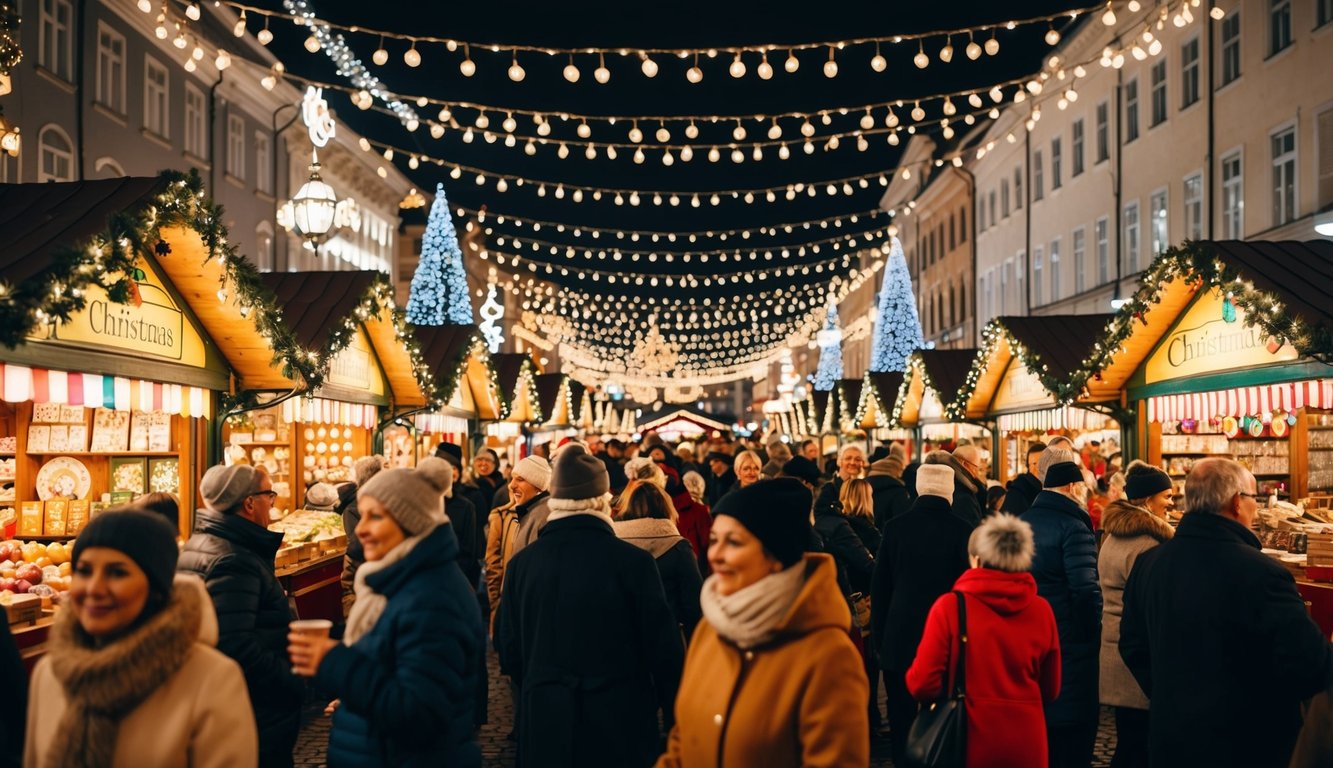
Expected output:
{"points": [[1213, 336]]}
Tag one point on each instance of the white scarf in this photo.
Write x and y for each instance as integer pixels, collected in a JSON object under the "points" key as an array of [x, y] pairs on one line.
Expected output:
{"points": [[749, 616], [369, 603]]}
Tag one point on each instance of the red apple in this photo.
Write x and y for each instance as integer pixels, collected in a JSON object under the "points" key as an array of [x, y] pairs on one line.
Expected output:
{"points": [[6, 552], [6, 584], [30, 572], [22, 586]]}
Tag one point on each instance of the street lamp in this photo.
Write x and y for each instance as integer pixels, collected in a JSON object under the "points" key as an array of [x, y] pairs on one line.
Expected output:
{"points": [[313, 207]]}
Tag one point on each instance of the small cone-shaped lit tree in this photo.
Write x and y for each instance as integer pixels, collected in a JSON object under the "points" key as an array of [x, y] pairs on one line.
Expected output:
{"points": [[898, 328], [439, 293], [830, 351]]}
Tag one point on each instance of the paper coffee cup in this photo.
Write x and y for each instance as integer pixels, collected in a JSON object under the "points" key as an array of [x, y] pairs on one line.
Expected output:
{"points": [[320, 627]]}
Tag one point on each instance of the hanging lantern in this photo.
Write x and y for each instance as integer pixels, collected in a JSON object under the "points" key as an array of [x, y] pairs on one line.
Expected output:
{"points": [[314, 207]]}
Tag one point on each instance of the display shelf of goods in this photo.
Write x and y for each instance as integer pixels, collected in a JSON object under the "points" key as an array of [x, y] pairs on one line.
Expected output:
{"points": [[34, 568], [263, 439], [307, 534], [1319, 459], [328, 452]]}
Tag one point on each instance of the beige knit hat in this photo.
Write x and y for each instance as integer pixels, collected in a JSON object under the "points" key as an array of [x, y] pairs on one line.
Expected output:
{"points": [[935, 480], [414, 497], [535, 470]]}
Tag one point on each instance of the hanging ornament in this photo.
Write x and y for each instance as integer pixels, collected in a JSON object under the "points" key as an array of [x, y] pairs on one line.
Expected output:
{"points": [[1228, 309]]}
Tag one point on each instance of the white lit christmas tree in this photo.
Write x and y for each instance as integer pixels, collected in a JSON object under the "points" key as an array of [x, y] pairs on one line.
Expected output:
{"points": [[439, 292], [830, 351], [898, 328]]}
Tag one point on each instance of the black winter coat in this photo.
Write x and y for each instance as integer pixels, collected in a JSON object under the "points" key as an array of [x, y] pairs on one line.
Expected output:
{"points": [[846, 547], [890, 498], [922, 554], [470, 528], [355, 554], [866, 530], [586, 633], [1020, 493], [1065, 567], [715, 487], [234, 557], [965, 504], [14, 678], [1220, 640]]}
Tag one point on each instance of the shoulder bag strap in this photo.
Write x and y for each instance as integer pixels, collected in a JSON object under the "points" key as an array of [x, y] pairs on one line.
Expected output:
{"points": [[958, 685]]}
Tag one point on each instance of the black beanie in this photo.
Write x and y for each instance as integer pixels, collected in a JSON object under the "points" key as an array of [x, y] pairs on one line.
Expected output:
{"points": [[1144, 480], [1062, 473], [145, 537], [776, 511]]}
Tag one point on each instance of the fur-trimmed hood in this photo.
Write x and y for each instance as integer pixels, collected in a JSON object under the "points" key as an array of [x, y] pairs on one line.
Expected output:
{"points": [[1128, 520]]}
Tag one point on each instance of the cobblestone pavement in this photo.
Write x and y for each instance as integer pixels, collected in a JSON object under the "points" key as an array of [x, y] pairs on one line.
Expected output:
{"points": [[497, 750]]}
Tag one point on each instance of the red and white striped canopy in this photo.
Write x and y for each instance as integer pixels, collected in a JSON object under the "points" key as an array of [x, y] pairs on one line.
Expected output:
{"points": [[1242, 401]]}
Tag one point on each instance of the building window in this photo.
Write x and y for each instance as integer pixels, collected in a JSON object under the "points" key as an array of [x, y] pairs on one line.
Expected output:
{"points": [[981, 212], [1157, 209], [1189, 73], [1324, 150], [156, 103], [1076, 148], [1036, 276], [1080, 276], [263, 164], [1323, 12], [1279, 25], [1018, 188], [992, 207], [1159, 93], [1233, 198], [264, 246], [55, 154], [236, 146], [1055, 269], [1103, 131], [1103, 232], [1057, 158], [953, 234], [110, 68], [1131, 110], [196, 116], [1194, 207], [1131, 242], [1004, 198], [1004, 283], [962, 224], [1284, 176], [1038, 176], [1231, 47], [55, 42]]}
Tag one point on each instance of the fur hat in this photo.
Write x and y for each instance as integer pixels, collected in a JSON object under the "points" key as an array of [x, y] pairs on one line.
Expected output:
{"points": [[143, 536], [321, 496], [1143, 480], [535, 470], [414, 497], [776, 511], [935, 480], [1061, 473], [365, 468], [578, 474], [224, 488], [1003, 542]]}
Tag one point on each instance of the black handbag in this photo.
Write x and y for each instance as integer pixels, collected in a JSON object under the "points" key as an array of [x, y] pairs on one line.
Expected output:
{"points": [[938, 737]]}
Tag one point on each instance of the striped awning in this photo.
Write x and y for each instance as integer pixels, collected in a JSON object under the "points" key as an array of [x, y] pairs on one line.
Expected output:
{"points": [[317, 410], [440, 424], [1242, 401], [1064, 417], [20, 383]]}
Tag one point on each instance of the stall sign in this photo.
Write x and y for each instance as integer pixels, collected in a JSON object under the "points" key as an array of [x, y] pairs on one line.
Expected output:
{"points": [[1204, 341], [149, 325], [354, 366], [1020, 389]]}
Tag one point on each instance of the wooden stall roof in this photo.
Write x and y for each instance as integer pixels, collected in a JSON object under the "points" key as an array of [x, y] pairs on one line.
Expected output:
{"points": [[314, 303], [550, 388], [819, 402], [705, 421], [849, 394], [446, 350], [946, 370], [1299, 275], [879, 398], [514, 371], [580, 404]]}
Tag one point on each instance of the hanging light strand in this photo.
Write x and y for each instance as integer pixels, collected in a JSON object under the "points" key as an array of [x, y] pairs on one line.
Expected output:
{"points": [[486, 216]]}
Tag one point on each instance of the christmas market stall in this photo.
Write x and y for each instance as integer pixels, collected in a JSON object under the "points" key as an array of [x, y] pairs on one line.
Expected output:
{"points": [[126, 319], [559, 407], [465, 388], [934, 377], [1225, 351], [676, 424], [877, 407], [1018, 382], [508, 436]]}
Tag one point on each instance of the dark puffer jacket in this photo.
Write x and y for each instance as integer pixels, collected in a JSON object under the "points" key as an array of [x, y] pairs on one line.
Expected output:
{"points": [[407, 686], [234, 557], [847, 548], [890, 497], [1020, 493]]}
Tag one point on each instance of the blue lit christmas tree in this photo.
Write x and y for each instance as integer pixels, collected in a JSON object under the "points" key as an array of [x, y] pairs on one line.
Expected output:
{"points": [[439, 292], [830, 351], [898, 329]]}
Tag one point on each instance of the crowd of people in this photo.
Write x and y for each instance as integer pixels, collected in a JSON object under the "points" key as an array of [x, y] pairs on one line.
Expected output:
{"points": [[694, 605]]}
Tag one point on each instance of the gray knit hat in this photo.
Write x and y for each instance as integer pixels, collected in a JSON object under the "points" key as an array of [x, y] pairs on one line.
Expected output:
{"points": [[321, 496], [224, 488], [414, 497], [365, 468], [535, 470], [578, 474]]}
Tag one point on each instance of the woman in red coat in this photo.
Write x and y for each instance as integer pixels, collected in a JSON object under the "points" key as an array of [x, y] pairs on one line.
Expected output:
{"points": [[695, 521], [1013, 650]]}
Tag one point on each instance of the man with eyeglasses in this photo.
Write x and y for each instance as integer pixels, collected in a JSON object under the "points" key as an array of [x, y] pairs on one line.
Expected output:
{"points": [[1217, 635], [232, 550]]}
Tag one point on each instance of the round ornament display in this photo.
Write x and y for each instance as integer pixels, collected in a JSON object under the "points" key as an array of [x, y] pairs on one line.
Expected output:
{"points": [[1230, 427], [63, 476], [1279, 427], [1256, 427]]}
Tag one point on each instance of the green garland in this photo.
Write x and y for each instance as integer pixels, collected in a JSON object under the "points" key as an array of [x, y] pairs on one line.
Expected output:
{"points": [[10, 52]]}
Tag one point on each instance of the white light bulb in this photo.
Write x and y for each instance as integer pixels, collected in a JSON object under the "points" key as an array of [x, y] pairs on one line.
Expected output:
{"points": [[467, 66], [638, 156], [312, 44], [516, 72], [1217, 14], [412, 57], [380, 56], [830, 68], [1052, 36], [738, 133], [764, 70], [1155, 47], [783, 152], [180, 41], [921, 60], [867, 121], [268, 81], [189, 65], [635, 135], [223, 60], [686, 155], [146, 6], [649, 67], [264, 37], [1138, 52], [948, 107], [668, 158], [602, 74], [973, 50], [918, 114], [691, 131], [192, 11], [974, 100], [714, 155], [197, 54], [737, 156], [584, 130], [737, 68], [562, 152], [807, 129], [1108, 18], [694, 74], [879, 63], [992, 46], [239, 29], [775, 131], [792, 63], [1133, 6], [946, 53]]}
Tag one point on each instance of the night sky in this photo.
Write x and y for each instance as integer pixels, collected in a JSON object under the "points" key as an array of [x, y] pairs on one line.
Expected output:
{"points": [[668, 25]]}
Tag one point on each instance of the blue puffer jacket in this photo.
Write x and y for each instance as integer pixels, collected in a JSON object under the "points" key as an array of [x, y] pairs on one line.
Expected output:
{"points": [[407, 685], [1065, 567]]}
